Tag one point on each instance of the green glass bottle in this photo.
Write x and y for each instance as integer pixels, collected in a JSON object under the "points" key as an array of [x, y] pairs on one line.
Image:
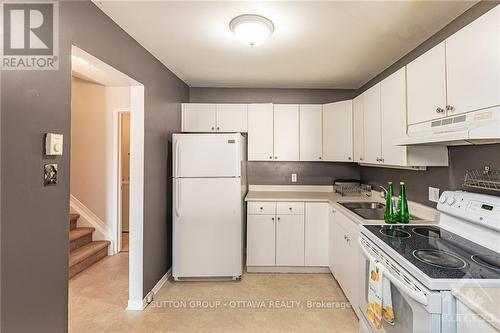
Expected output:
{"points": [[389, 216], [403, 211]]}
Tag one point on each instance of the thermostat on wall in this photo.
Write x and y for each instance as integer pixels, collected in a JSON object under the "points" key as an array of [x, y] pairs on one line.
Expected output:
{"points": [[53, 144]]}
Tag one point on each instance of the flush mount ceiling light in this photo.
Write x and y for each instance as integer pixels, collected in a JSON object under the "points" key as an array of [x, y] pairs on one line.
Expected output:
{"points": [[252, 30]]}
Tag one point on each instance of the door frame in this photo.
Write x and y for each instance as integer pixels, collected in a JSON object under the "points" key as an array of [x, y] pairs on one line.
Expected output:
{"points": [[117, 175]]}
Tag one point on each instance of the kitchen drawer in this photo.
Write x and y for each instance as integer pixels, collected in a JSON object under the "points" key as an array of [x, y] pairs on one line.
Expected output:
{"points": [[290, 208], [261, 208]]}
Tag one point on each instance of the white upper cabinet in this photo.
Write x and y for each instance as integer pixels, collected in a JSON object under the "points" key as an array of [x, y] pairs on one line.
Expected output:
{"points": [[473, 65], [231, 118], [199, 117], [260, 132], [310, 132], [358, 129], [426, 86], [338, 132], [372, 125], [393, 114], [286, 132]]}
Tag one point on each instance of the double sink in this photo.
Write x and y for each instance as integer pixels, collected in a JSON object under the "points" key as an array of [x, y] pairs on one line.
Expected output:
{"points": [[369, 210]]}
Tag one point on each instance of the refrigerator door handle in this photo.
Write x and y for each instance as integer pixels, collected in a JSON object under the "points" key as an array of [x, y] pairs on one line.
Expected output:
{"points": [[177, 198], [177, 158]]}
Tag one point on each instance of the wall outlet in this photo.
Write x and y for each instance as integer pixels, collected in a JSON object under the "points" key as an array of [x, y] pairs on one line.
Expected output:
{"points": [[433, 194], [294, 177]]}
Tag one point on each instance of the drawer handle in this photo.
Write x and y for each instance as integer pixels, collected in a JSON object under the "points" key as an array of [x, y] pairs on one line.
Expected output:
{"points": [[261, 208]]}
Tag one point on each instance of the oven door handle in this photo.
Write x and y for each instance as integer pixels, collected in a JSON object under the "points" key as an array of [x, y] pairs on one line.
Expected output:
{"points": [[420, 297]]}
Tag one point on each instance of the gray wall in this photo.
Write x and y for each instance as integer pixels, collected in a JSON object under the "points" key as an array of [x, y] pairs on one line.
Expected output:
{"points": [[34, 238], [445, 178], [271, 95], [308, 173]]}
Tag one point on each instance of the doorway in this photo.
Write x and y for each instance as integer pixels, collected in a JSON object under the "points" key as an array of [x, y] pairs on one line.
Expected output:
{"points": [[124, 179]]}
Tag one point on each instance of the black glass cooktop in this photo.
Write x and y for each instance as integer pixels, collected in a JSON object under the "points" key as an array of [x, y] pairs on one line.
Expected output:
{"points": [[438, 253]]}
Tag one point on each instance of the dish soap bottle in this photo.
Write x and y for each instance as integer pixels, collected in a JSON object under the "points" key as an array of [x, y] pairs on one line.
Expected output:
{"points": [[403, 211], [389, 216]]}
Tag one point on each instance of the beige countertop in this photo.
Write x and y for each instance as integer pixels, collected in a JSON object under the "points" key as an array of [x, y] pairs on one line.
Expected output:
{"points": [[485, 302], [326, 194]]}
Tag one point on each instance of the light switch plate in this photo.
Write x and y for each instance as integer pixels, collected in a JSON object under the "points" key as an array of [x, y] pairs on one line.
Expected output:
{"points": [[53, 144], [433, 194], [294, 177]]}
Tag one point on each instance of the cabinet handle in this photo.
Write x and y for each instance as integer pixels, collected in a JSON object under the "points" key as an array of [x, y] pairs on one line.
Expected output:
{"points": [[450, 108], [218, 127], [270, 157], [213, 128], [261, 208], [334, 211], [382, 160], [279, 218], [290, 208], [319, 158], [272, 219], [350, 158], [275, 157], [440, 110], [361, 158]]}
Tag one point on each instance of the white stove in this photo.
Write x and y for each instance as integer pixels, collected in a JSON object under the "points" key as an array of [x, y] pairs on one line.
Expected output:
{"points": [[424, 263]]}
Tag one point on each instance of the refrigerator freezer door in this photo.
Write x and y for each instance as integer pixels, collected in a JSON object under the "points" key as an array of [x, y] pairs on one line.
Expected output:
{"points": [[206, 155], [207, 230]]}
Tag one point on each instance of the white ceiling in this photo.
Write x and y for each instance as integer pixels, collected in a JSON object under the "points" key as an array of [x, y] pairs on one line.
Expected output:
{"points": [[316, 44]]}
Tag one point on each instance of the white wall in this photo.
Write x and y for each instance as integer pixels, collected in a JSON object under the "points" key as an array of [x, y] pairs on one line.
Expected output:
{"points": [[92, 116]]}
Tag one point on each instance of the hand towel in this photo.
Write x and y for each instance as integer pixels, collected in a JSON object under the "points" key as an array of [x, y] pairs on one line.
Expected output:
{"points": [[379, 297]]}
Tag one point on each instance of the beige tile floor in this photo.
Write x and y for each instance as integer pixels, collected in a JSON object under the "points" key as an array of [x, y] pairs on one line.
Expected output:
{"points": [[98, 298]]}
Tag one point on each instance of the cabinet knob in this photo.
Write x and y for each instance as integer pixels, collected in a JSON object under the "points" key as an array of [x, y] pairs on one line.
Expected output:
{"points": [[319, 158], [279, 218], [450, 108], [270, 157], [261, 208], [213, 128], [440, 110], [218, 127], [361, 158], [275, 157], [290, 208], [349, 158], [334, 211], [272, 218]]}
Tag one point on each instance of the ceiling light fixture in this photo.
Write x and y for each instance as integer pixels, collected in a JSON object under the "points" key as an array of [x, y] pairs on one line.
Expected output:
{"points": [[252, 30]]}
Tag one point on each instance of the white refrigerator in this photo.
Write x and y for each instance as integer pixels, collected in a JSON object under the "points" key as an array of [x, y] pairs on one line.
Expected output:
{"points": [[209, 185]]}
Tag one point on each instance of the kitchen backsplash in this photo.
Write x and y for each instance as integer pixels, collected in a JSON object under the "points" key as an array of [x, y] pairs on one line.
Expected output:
{"points": [[445, 178], [308, 173]]}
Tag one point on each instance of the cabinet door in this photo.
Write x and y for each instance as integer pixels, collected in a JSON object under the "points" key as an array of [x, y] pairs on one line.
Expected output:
{"points": [[310, 132], [337, 131], [290, 240], [372, 125], [261, 240], [393, 110], [358, 130], [232, 118], [473, 65], [338, 249], [316, 233], [426, 86], [286, 132], [198, 117], [260, 132], [332, 253]]}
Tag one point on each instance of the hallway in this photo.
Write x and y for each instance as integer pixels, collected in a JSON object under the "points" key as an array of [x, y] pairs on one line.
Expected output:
{"points": [[98, 298]]}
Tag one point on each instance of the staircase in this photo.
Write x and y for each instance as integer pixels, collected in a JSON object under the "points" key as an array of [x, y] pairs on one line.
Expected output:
{"points": [[84, 252]]}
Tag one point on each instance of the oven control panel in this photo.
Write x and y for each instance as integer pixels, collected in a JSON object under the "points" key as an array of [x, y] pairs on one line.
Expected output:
{"points": [[477, 208]]}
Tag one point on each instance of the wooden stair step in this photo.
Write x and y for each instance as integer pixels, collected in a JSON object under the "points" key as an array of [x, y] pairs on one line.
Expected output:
{"points": [[79, 237], [73, 219], [83, 257]]}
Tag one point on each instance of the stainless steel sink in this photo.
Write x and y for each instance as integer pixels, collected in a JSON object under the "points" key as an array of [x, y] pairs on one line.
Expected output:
{"points": [[369, 210]]}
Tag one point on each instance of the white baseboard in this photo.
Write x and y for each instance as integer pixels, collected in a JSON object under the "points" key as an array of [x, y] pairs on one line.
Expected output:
{"points": [[89, 219], [288, 269], [141, 305]]}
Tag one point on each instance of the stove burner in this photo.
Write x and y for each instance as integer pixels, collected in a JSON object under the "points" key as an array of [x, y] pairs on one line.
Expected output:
{"points": [[431, 232], [394, 232], [490, 261], [439, 258]]}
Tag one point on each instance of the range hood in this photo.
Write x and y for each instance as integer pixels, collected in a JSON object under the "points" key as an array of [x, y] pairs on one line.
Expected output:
{"points": [[473, 128]]}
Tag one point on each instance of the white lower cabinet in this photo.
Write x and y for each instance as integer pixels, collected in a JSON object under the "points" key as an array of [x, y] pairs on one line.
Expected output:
{"points": [[290, 240], [261, 240], [287, 234], [316, 233], [343, 261]]}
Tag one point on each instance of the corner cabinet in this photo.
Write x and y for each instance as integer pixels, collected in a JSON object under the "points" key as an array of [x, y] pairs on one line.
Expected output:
{"points": [[208, 118], [287, 234], [338, 132]]}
